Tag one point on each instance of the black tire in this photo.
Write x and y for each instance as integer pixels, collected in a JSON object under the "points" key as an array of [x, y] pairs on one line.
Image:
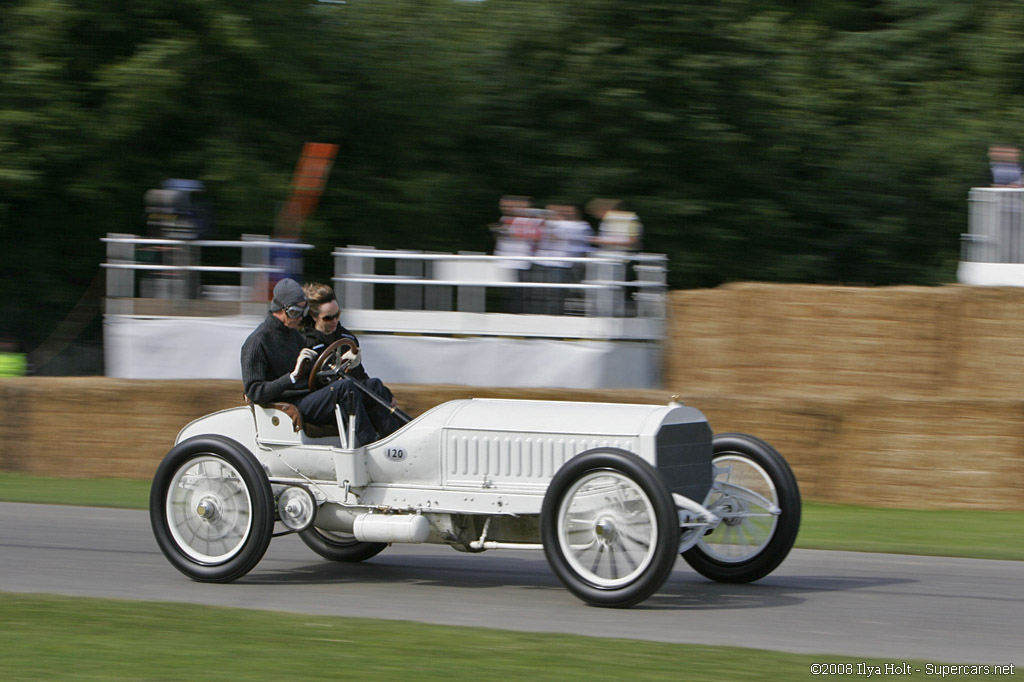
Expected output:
{"points": [[637, 530], [748, 459], [340, 546], [212, 509]]}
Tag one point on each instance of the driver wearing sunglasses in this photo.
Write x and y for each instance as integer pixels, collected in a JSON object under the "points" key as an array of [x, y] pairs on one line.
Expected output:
{"points": [[276, 364], [322, 329]]}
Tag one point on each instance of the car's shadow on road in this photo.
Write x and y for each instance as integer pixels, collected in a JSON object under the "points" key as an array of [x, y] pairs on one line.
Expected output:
{"points": [[684, 590], [454, 570], [691, 591]]}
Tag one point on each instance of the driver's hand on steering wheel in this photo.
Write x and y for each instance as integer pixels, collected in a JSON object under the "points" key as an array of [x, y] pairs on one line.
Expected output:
{"points": [[353, 358], [307, 356]]}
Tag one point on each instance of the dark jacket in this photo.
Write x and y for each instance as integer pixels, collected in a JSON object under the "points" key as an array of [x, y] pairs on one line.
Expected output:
{"points": [[318, 341], [268, 358]]}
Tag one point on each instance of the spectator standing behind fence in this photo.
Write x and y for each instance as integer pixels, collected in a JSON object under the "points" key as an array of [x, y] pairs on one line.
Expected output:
{"points": [[574, 232], [618, 229], [565, 236], [516, 234], [1004, 163]]}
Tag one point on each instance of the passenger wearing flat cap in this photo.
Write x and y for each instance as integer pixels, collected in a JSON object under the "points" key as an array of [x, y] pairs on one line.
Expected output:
{"points": [[276, 364]]}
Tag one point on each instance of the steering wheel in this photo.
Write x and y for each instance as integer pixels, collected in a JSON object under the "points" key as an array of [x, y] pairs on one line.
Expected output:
{"points": [[329, 366]]}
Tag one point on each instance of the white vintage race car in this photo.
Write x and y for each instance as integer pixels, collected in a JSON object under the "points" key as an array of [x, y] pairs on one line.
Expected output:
{"points": [[610, 492]]}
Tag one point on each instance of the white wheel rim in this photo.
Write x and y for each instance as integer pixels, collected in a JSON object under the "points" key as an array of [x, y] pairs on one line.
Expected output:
{"points": [[607, 529], [209, 510], [747, 525]]}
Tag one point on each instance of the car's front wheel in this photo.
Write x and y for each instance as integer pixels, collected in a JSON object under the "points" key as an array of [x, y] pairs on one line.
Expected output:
{"points": [[609, 528], [212, 509], [756, 496]]}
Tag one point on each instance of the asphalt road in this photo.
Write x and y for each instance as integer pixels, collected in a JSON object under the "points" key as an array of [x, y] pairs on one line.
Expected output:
{"points": [[886, 606]]}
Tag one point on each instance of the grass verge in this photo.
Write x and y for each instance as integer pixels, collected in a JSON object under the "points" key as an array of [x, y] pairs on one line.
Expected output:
{"points": [[975, 534], [931, 532], [70, 638], [85, 492]]}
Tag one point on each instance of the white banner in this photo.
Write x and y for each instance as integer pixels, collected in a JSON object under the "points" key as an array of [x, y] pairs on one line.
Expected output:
{"points": [[502, 361], [175, 347], [209, 348]]}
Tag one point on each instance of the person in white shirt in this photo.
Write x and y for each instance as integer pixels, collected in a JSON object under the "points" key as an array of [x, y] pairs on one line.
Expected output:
{"points": [[618, 229]]}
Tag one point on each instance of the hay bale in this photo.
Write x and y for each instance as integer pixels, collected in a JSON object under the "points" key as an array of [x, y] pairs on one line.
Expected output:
{"points": [[845, 340], [926, 454], [917, 453], [989, 352], [770, 339], [97, 427], [703, 346]]}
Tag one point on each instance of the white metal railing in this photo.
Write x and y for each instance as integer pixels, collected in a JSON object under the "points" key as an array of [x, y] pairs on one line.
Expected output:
{"points": [[605, 285], [143, 267], [995, 226]]}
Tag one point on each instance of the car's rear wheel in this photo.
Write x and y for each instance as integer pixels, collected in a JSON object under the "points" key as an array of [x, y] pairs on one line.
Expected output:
{"points": [[757, 497], [609, 528], [338, 546], [212, 509]]}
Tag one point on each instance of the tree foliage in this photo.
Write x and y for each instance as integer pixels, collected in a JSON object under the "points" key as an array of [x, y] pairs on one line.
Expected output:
{"points": [[781, 140]]}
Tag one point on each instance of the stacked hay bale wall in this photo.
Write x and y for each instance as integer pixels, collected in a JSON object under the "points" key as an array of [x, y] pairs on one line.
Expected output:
{"points": [[892, 396], [818, 340], [903, 397]]}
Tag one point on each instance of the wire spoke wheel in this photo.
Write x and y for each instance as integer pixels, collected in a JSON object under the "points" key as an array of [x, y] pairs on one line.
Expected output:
{"points": [[609, 528], [211, 509], [755, 494], [748, 521]]}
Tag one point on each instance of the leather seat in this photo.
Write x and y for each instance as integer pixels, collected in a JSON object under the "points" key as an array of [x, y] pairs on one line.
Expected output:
{"points": [[298, 423]]}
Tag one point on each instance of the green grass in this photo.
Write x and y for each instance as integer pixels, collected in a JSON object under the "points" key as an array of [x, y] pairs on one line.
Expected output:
{"points": [[940, 532], [933, 532], [86, 492], [65, 638]]}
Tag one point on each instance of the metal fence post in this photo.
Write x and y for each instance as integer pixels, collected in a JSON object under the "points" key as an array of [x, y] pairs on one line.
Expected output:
{"points": [[409, 296], [471, 299], [650, 300], [254, 282], [606, 301], [436, 297], [357, 295], [120, 281]]}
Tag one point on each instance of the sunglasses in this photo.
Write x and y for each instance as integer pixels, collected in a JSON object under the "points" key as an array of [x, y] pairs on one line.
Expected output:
{"points": [[294, 311], [329, 318]]}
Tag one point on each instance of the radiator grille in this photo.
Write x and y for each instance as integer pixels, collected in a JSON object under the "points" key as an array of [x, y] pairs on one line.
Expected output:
{"points": [[683, 457]]}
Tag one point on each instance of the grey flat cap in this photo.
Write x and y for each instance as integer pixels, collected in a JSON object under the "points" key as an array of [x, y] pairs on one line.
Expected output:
{"points": [[287, 292]]}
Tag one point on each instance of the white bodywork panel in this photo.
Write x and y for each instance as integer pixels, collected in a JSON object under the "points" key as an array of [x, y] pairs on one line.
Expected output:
{"points": [[476, 456]]}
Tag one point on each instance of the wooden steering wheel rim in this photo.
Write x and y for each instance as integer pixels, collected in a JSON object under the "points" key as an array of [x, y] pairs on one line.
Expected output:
{"points": [[335, 351]]}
